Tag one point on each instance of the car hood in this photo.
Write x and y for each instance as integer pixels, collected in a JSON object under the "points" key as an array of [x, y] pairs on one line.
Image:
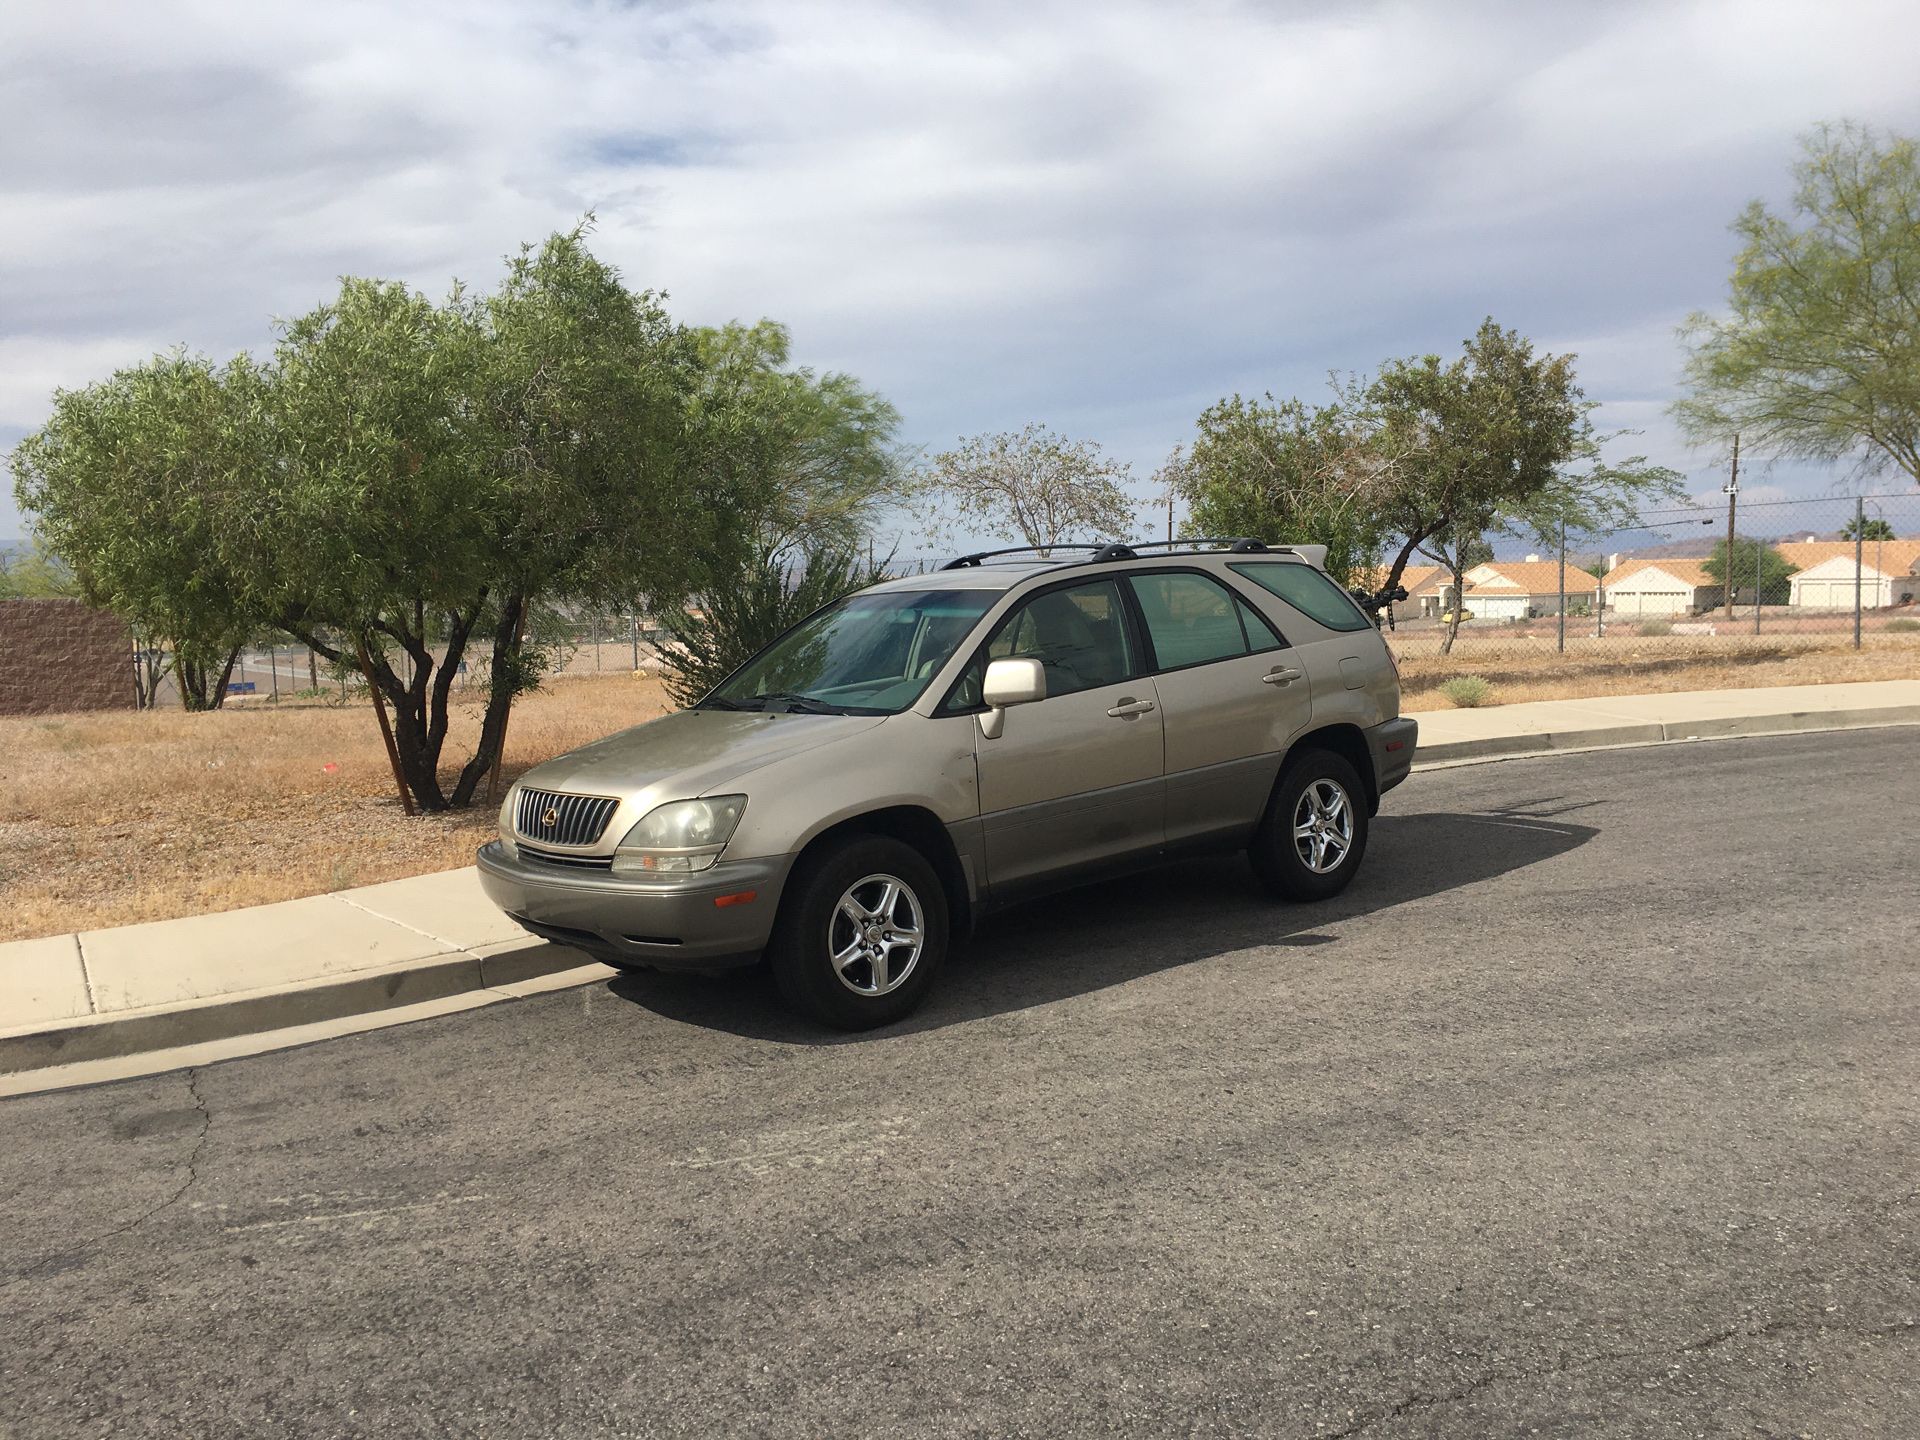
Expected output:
{"points": [[692, 753]]}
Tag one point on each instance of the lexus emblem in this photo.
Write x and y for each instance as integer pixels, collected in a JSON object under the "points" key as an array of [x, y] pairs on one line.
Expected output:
{"points": [[549, 818]]}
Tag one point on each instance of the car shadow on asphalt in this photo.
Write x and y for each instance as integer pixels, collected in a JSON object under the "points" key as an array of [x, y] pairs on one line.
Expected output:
{"points": [[1108, 933]]}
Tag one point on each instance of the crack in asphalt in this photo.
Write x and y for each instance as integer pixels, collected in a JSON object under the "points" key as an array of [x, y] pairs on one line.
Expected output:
{"points": [[1421, 1401], [50, 1262]]}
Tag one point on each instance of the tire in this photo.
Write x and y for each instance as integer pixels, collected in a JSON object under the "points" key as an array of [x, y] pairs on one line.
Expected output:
{"points": [[1337, 812], [851, 992]]}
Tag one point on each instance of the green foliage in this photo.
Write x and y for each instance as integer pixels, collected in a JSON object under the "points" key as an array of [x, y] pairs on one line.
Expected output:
{"points": [[1903, 626], [1872, 528], [1818, 354], [407, 479], [139, 483], [1030, 486], [1267, 470], [1752, 558], [36, 573], [805, 459], [740, 614], [1652, 628], [1467, 692], [1459, 445]]}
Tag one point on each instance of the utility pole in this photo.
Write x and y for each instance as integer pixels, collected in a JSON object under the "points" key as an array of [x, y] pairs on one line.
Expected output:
{"points": [[1733, 501]]}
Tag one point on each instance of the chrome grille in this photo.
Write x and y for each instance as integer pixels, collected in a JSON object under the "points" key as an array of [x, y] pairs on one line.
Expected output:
{"points": [[549, 817], [564, 862]]}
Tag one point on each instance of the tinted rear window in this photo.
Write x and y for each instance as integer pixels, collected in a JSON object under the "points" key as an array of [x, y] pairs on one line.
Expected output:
{"points": [[1307, 590]]}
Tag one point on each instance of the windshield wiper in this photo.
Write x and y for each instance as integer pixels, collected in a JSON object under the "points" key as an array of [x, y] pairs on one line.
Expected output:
{"points": [[720, 702], [803, 704]]}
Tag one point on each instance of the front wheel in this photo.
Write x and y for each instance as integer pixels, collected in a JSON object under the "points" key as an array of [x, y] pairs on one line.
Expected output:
{"points": [[1310, 843], [862, 935]]}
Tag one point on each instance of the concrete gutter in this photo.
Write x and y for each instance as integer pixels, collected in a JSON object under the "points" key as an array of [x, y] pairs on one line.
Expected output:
{"points": [[106, 1003]]}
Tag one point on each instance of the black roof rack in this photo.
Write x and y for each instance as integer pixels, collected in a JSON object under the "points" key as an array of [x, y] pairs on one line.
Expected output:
{"points": [[1108, 551]]}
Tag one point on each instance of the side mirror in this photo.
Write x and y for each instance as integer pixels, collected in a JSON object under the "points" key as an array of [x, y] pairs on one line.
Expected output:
{"points": [[1009, 682]]}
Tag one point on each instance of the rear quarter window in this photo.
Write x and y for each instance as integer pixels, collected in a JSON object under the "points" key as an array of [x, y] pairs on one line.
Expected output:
{"points": [[1306, 590]]}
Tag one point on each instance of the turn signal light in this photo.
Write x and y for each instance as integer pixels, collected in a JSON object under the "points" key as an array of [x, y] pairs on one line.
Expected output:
{"points": [[739, 897]]}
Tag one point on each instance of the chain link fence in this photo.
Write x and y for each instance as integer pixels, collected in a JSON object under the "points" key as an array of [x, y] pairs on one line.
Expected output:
{"points": [[1836, 573], [1840, 573]]}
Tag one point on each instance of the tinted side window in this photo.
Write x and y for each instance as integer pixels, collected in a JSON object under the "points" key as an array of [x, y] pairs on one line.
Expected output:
{"points": [[1079, 636], [1190, 619], [1260, 635], [1307, 590]]}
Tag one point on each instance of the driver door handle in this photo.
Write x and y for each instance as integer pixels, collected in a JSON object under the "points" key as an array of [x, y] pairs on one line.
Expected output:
{"points": [[1130, 707], [1280, 675]]}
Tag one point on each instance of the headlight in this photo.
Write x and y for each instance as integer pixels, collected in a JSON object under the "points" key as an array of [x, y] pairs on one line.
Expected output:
{"points": [[680, 837], [507, 842]]}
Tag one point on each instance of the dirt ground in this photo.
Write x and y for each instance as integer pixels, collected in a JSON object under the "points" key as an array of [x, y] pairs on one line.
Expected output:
{"points": [[108, 819], [1659, 665]]}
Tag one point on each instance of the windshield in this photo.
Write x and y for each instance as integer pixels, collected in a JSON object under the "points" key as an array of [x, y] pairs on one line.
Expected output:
{"points": [[870, 654]]}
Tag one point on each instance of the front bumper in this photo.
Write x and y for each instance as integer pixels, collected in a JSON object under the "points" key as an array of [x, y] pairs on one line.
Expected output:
{"points": [[672, 924], [1392, 743]]}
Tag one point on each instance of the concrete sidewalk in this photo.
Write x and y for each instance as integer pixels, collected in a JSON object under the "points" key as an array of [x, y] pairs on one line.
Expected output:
{"points": [[70, 1000], [1549, 725]]}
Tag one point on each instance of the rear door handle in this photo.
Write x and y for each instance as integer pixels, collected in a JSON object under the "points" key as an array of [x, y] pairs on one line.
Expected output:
{"points": [[1130, 707], [1280, 675]]}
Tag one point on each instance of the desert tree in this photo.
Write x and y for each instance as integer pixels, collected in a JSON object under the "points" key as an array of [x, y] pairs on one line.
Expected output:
{"points": [[1282, 471], [1817, 354], [805, 461], [134, 483], [1754, 563], [444, 467], [1462, 443], [1031, 486]]}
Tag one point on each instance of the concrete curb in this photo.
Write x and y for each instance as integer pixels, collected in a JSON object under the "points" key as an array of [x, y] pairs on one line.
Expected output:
{"points": [[109, 1006], [1507, 747], [134, 1032]]}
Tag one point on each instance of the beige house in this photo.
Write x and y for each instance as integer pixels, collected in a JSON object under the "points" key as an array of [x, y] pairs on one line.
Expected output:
{"points": [[1517, 589], [1824, 578], [1666, 586]]}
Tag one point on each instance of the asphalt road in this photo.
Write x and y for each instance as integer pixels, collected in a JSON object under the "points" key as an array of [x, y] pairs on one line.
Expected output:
{"points": [[1592, 1109]]}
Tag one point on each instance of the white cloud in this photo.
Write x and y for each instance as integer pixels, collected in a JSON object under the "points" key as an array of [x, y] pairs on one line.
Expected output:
{"points": [[1099, 217]]}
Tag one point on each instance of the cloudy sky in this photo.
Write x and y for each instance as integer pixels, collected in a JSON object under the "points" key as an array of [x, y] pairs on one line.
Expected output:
{"points": [[1101, 216]]}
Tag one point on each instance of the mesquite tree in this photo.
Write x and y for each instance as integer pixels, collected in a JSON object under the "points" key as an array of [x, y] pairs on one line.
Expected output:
{"points": [[443, 467], [1472, 440], [133, 483], [1818, 353]]}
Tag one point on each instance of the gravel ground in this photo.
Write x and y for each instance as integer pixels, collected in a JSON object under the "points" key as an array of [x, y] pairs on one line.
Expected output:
{"points": [[1591, 1110]]}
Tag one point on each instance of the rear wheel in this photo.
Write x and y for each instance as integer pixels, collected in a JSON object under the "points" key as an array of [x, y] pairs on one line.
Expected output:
{"points": [[862, 935], [1309, 845]]}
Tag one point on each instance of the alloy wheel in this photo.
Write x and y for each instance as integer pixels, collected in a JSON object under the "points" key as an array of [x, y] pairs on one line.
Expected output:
{"points": [[1323, 826], [876, 935]]}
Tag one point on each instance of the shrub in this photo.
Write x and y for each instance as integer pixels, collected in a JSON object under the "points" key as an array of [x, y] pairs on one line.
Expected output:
{"points": [[1903, 626], [1655, 627], [1467, 692]]}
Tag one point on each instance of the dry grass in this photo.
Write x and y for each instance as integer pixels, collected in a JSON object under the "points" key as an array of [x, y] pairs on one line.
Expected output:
{"points": [[106, 819], [1653, 666]]}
